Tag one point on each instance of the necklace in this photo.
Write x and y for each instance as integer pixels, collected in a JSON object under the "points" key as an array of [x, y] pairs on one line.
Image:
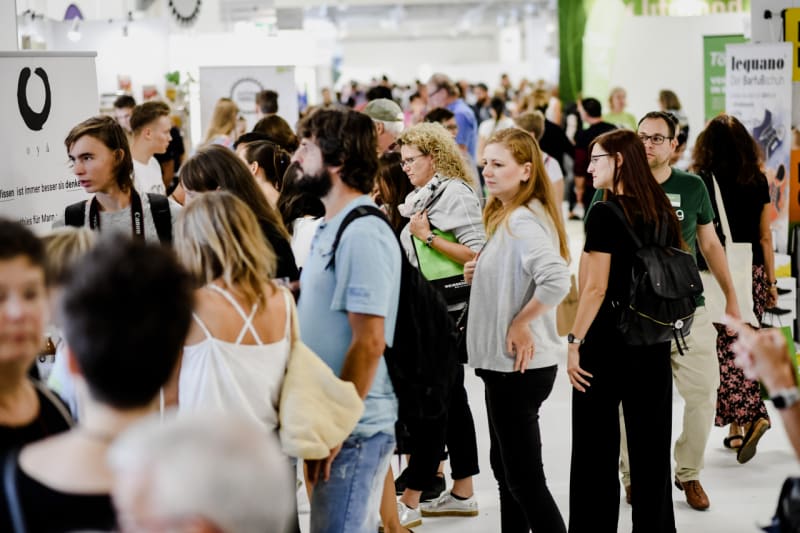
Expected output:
{"points": [[93, 434]]}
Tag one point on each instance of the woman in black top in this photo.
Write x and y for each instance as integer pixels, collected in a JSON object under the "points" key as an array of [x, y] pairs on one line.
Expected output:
{"points": [[726, 151], [123, 346], [603, 368], [215, 167]]}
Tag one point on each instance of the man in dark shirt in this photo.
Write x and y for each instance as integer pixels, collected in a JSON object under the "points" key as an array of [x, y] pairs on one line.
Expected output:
{"points": [[591, 113]]}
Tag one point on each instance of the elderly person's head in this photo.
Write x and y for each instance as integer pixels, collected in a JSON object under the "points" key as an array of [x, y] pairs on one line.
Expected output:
{"points": [[388, 119], [428, 149], [201, 473]]}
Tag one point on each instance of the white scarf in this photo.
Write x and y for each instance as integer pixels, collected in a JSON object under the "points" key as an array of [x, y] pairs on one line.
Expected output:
{"points": [[418, 199]]}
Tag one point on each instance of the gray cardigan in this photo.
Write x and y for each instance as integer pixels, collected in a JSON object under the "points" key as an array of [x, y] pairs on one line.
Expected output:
{"points": [[455, 208], [519, 262]]}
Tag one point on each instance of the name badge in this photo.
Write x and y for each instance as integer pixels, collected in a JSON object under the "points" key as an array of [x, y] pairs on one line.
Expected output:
{"points": [[674, 199]]}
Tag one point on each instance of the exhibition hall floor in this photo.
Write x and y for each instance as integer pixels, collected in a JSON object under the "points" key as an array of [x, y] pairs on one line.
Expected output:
{"points": [[741, 496]]}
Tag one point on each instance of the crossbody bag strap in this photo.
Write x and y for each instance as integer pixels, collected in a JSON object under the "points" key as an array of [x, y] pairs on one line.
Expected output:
{"points": [[12, 494], [723, 215]]}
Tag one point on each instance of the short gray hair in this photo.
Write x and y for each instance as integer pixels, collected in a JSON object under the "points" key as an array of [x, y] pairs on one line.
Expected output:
{"points": [[395, 128], [226, 470]]}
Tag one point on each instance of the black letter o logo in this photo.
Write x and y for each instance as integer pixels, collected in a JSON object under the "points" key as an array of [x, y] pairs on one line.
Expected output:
{"points": [[32, 119]]}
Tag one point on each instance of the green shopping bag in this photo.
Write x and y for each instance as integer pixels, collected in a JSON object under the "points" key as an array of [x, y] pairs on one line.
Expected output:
{"points": [[443, 273]]}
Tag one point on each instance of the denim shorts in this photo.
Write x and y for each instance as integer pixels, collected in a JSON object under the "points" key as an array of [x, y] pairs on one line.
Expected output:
{"points": [[349, 500]]}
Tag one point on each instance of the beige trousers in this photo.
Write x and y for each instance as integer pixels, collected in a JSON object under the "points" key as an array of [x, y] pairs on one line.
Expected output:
{"points": [[696, 376]]}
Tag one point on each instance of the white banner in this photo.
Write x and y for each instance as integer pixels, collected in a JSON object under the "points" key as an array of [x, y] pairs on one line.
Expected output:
{"points": [[759, 93], [242, 84], [42, 96]]}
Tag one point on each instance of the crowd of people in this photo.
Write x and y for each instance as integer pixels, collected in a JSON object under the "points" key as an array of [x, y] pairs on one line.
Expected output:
{"points": [[219, 317]]}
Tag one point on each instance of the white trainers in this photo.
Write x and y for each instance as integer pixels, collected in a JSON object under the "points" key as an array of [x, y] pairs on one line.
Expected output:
{"points": [[446, 505], [408, 517]]}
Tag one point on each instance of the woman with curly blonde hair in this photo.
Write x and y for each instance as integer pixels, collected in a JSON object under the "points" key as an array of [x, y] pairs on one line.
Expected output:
{"points": [[442, 200]]}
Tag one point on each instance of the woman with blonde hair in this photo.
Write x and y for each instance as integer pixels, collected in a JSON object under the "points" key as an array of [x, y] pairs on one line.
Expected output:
{"points": [[519, 278], [235, 355], [222, 129], [443, 201]]}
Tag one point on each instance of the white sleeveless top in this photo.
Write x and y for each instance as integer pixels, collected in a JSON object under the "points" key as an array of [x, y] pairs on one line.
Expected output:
{"points": [[235, 378]]}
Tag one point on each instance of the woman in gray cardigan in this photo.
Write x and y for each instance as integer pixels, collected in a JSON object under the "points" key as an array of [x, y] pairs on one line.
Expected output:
{"points": [[518, 280]]}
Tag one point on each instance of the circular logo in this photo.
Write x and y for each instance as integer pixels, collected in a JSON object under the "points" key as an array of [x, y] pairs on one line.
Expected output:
{"points": [[33, 119], [244, 92]]}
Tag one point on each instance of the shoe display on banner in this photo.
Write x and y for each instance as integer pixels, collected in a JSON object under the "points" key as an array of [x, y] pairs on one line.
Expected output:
{"points": [[447, 505]]}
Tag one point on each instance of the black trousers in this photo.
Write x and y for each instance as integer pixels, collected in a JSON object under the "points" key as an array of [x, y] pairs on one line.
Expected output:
{"points": [[639, 377], [512, 404], [428, 439]]}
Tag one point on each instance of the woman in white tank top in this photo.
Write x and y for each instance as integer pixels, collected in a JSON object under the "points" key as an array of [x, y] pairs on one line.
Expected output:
{"points": [[235, 354]]}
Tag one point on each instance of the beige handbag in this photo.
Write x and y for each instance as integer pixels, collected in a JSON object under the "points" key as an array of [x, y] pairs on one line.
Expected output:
{"points": [[567, 309], [317, 410], [740, 265]]}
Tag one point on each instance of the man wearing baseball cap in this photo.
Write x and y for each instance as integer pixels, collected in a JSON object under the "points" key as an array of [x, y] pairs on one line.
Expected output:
{"points": [[388, 119]]}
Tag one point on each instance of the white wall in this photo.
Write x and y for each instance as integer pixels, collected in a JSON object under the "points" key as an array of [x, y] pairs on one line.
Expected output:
{"points": [[8, 25], [655, 53]]}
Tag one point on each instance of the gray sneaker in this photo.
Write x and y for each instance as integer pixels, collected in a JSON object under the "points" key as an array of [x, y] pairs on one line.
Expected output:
{"points": [[446, 505], [408, 517]]}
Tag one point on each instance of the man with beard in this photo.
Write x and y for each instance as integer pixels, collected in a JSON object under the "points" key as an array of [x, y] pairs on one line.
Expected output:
{"points": [[347, 313]]}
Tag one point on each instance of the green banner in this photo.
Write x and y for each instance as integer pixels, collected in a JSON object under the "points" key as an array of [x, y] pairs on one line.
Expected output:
{"points": [[682, 8], [714, 71]]}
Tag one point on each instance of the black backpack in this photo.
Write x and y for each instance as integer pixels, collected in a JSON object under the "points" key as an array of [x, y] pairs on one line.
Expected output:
{"points": [[422, 361], [665, 283], [75, 215]]}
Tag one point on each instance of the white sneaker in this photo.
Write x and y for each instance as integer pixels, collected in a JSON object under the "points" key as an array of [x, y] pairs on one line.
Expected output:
{"points": [[446, 505], [408, 517]]}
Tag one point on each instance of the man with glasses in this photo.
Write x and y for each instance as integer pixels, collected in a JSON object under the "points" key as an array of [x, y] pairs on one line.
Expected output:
{"points": [[696, 372], [443, 93]]}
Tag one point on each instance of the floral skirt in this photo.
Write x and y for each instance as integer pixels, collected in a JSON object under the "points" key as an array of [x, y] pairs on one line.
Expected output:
{"points": [[738, 398]]}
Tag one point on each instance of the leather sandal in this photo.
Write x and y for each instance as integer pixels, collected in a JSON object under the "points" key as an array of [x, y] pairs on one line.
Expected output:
{"points": [[748, 448], [728, 442]]}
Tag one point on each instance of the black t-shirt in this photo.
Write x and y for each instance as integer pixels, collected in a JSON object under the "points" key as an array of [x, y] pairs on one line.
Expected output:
{"points": [[286, 267], [47, 510], [49, 421], [556, 143], [743, 205]]}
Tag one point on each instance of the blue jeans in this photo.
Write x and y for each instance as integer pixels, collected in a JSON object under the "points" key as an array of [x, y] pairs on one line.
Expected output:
{"points": [[349, 500]]}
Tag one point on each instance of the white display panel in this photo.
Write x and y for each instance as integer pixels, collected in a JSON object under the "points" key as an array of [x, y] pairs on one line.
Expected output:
{"points": [[42, 96]]}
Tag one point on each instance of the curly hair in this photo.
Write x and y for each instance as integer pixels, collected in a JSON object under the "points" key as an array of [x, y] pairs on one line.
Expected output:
{"points": [[727, 150], [433, 139]]}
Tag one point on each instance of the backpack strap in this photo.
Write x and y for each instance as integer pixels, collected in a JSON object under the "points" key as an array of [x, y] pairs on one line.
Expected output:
{"points": [[621, 216], [11, 491], [162, 217], [54, 399], [75, 214], [356, 213]]}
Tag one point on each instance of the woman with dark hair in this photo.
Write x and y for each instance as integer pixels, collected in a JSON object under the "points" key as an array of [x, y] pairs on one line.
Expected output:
{"points": [[278, 131], [725, 152], [268, 163], [498, 122], [214, 168], [603, 368], [392, 187]]}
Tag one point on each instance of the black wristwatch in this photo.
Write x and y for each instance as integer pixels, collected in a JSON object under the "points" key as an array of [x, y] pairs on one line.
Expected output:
{"points": [[572, 339], [785, 398]]}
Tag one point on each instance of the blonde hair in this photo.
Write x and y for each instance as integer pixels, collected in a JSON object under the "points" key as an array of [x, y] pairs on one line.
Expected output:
{"points": [[63, 248], [216, 235], [525, 150], [431, 138], [223, 120]]}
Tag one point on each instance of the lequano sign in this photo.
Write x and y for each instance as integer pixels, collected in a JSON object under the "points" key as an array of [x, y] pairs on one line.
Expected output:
{"points": [[685, 8]]}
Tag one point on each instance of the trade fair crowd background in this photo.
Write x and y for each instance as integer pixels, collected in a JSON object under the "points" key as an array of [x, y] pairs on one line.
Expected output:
{"points": [[204, 319]]}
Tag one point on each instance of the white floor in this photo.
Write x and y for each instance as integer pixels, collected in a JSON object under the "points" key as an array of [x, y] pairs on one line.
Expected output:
{"points": [[742, 496]]}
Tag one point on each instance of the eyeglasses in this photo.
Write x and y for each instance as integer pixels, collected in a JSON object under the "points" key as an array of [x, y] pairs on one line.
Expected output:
{"points": [[655, 139], [595, 158], [410, 161]]}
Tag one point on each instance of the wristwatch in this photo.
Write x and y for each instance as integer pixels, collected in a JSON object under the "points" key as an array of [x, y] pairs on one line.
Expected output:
{"points": [[785, 398], [429, 239], [572, 339]]}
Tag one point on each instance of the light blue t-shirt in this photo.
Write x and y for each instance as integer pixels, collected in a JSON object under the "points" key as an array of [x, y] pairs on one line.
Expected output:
{"points": [[365, 279], [467, 126]]}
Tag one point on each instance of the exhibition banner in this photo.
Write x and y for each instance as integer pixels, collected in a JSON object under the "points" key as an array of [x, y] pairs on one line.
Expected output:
{"points": [[759, 93], [714, 71], [791, 29], [242, 84], [42, 96]]}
